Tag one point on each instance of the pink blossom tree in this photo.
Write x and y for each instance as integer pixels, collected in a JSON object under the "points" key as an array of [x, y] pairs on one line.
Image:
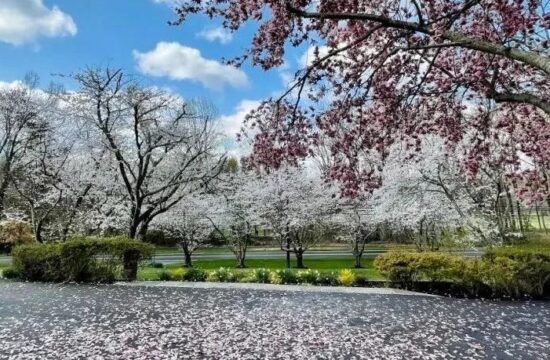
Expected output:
{"points": [[393, 70]]}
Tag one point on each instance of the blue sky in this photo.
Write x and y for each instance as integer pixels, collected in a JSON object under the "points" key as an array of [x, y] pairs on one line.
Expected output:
{"points": [[51, 37]]}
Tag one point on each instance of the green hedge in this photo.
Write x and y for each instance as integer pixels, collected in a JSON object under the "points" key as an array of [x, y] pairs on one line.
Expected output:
{"points": [[500, 272], [80, 260], [345, 277]]}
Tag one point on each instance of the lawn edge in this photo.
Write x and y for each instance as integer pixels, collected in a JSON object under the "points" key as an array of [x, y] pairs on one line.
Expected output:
{"points": [[271, 287]]}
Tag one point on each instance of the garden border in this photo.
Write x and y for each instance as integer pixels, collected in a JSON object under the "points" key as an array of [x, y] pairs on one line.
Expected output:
{"points": [[272, 287]]}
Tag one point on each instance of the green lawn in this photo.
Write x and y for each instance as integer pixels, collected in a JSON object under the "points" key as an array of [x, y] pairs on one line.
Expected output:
{"points": [[534, 224]]}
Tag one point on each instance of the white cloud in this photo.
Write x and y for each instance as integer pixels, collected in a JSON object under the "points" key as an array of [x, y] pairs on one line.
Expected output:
{"points": [[167, 2], [179, 62], [231, 124], [219, 34], [11, 85], [24, 21], [308, 57]]}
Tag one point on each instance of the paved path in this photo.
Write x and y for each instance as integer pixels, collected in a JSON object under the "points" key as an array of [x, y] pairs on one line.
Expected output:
{"points": [[173, 258], [39, 321]]}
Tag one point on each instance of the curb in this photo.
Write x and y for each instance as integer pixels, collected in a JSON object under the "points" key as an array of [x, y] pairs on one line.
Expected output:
{"points": [[271, 287]]}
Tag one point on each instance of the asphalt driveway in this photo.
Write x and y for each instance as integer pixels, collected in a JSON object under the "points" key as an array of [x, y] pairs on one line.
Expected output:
{"points": [[40, 321]]}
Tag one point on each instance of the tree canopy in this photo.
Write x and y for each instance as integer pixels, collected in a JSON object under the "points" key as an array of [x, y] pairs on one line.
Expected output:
{"points": [[470, 71]]}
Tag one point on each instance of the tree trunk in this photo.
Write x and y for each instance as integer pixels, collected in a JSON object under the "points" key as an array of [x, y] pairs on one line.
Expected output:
{"points": [[358, 257], [143, 230], [187, 257], [300, 259], [358, 251], [519, 217], [130, 265], [240, 261], [132, 231], [38, 232], [138, 229], [3, 187], [288, 251], [511, 210], [74, 209], [538, 216]]}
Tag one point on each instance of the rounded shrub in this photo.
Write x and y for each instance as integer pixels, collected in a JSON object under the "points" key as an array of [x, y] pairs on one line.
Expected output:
{"points": [[165, 276], [222, 275], [10, 273], [396, 266], [283, 276], [346, 277], [39, 262], [247, 277], [14, 233], [195, 275], [261, 276], [80, 260], [308, 277], [178, 274], [327, 279], [275, 278]]}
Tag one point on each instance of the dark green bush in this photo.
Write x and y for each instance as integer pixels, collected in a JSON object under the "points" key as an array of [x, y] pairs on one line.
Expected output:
{"points": [[407, 267], [165, 276], [469, 275], [195, 275], [361, 280], [10, 273], [79, 263], [38, 262], [396, 266], [80, 259], [502, 272], [156, 265], [516, 272], [327, 279], [222, 275], [287, 276], [308, 277], [261, 276]]}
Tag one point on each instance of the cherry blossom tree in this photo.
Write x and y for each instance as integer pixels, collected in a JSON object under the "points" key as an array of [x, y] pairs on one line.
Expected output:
{"points": [[22, 122], [356, 224], [425, 194], [161, 147], [296, 206], [393, 70], [233, 213], [188, 223]]}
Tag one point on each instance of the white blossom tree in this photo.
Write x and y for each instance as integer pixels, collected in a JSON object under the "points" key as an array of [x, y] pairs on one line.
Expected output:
{"points": [[188, 223], [356, 224], [161, 147], [296, 205], [233, 213], [22, 121], [423, 194]]}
